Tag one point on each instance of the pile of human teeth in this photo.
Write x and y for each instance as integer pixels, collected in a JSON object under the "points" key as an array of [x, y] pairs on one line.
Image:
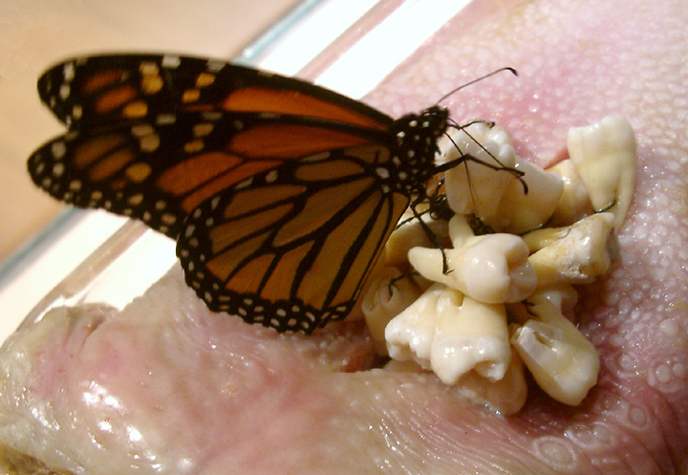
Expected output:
{"points": [[503, 306]]}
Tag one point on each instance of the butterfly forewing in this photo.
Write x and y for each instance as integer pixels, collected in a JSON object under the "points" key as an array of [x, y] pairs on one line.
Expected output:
{"points": [[87, 92]]}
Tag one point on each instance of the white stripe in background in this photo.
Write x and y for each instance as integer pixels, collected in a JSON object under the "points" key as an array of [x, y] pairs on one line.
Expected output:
{"points": [[387, 45]]}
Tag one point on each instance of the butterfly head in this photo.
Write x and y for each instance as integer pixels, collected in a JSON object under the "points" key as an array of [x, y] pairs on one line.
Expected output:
{"points": [[416, 147]]}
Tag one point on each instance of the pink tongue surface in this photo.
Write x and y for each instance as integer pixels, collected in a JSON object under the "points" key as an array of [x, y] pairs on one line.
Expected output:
{"points": [[191, 393]]}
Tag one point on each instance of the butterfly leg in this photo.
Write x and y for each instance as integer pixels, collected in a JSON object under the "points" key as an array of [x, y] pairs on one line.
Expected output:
{"points": [[433, 237]]}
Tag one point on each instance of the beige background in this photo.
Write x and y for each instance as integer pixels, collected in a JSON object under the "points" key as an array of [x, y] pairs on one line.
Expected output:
{"points": [[36, 33]]}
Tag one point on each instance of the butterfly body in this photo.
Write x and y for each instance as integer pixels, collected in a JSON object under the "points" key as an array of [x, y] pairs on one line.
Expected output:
{"points": [[281, 194]]}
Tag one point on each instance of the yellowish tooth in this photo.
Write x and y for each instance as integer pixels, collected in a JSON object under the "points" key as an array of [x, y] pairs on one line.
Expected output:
{"points": [[536, 240], [409, 235], [605, 157], [574, 203], [384, 301], [579, 256]]}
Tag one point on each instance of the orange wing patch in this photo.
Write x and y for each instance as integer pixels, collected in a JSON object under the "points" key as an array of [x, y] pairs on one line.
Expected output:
{"points": [[88, 152], [368, 254], [102, 79], [115, 98], [285, 271], [321, 207], [288, 141], [226, 235], [255, 99], [111, 165], [249, 200], [232, 177], [227, 263], [195, 171]]}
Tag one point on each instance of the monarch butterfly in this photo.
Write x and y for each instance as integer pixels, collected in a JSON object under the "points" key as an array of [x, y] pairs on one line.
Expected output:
{"points": [[281, 194]]}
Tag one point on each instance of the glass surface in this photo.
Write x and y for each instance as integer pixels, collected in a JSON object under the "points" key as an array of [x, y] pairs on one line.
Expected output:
{"points": [[92, 256]]}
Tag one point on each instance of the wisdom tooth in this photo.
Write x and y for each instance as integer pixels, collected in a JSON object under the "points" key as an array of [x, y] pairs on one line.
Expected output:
{"points": [[451, 334]]}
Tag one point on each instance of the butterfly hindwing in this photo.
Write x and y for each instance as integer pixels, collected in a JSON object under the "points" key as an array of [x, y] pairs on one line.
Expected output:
{"points": [[96, 90], [291, 248]]}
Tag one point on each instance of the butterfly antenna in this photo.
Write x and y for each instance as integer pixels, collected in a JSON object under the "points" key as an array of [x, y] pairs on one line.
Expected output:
{"points": [[497, 71]]}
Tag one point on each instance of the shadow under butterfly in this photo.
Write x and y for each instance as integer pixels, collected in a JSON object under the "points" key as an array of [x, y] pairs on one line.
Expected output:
{"points": [[281, 194]]}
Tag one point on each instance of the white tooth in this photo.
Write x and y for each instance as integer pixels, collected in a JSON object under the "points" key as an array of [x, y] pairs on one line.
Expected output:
{"points": [[493, 268], [579, 256], [473, 188], [469, 335], [562, 361], [384, 301], [519, 212], [574, 203], [605, 157], [409, 335]]}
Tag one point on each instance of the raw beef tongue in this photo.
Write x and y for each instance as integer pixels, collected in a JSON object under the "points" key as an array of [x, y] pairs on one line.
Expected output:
{"points": [[166, 387]]}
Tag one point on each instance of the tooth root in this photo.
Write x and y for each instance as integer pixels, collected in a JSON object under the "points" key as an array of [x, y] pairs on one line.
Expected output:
{"points": [[459, 231], [605, 157], [506, 396], [562, 296]]}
